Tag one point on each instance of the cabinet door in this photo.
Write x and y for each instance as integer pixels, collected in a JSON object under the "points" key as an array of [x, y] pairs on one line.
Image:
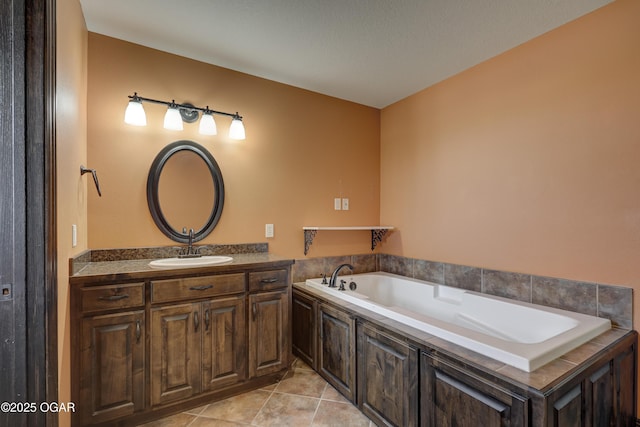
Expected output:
{"points": [[175, 352], [224, 342], [453, 397], [604, 397], [336, 349], [112, 366], [268, 332], [303, 326], [387, 378]]}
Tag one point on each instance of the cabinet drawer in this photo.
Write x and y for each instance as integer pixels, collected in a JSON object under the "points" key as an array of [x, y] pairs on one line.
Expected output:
{"points": [[112, 297], [266, 280], [196, 287]]}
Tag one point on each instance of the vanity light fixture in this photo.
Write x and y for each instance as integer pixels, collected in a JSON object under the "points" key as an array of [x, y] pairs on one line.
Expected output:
{"points": [[207, 123], [236, 130], [177, 113], [134, 114], [172, 118]]}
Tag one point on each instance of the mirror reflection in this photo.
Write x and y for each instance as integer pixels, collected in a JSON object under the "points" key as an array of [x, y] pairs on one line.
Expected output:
{"points": [[185, 190]]}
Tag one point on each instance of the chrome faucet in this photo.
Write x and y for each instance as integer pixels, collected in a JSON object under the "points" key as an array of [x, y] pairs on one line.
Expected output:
{"points": [[334, 275], [189, 251]]}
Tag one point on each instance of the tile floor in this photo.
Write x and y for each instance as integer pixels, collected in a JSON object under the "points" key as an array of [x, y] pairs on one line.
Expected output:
{"points": [[301, 398]]}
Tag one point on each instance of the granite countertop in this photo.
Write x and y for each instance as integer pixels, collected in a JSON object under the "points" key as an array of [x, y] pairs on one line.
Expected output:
{"points": [[542, 379], [139, 269]]}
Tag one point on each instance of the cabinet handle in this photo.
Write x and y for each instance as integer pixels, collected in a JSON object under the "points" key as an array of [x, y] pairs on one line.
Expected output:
{"points": [[270, 280], [114, 297], [254, 310], [201, 288], [206, 319], [138, 332], [196, 320]]}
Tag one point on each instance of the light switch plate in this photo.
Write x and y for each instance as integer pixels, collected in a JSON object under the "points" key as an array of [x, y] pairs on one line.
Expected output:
{"points": [[268, 230], [345, 204], [337, 203]]}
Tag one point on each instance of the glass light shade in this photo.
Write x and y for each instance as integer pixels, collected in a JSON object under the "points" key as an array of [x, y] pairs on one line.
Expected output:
{"points": [[172, 119], [236, 130], [134, 114], [208, 125]]}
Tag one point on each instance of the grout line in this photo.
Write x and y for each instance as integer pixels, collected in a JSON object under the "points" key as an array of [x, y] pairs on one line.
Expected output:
{"points": [[318, 406]]}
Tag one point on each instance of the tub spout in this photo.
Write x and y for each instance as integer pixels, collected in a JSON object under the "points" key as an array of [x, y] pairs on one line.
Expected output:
{"points": [[334, 276]]}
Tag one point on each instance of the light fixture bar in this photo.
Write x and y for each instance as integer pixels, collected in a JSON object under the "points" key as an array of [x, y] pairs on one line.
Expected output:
{"points": [[138, 98]]}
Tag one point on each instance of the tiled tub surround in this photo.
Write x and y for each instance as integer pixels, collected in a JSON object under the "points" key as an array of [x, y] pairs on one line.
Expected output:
{"points": [[595, 299]]}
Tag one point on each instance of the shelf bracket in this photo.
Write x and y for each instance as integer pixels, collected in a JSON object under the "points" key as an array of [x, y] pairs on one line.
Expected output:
{"points": [[376, 237], [309, 235]]}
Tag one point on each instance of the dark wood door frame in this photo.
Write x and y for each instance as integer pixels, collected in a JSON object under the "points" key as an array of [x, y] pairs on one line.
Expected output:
{"points": [[28, 270]]}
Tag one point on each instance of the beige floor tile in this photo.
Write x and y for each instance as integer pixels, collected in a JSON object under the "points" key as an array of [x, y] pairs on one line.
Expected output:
{"points": [[303, 382], [210, 422], [196, 411], [335, 414], [287, 410], [299, 364], [242, 408], [177, 420], [330, 393]]}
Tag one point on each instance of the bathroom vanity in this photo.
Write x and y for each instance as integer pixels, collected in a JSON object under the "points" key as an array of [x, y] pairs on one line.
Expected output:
{"points": [[150, 342], [402, 376]]}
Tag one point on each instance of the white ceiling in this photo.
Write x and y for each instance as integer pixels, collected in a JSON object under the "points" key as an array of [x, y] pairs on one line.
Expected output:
{"points": [[373, 52]]}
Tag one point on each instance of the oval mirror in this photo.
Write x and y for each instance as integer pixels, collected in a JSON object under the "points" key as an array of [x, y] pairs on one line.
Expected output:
{"points": [[185, 190]]}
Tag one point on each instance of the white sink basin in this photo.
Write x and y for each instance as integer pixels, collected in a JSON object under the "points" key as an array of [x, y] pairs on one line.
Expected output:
{"points": [[190, 262]]}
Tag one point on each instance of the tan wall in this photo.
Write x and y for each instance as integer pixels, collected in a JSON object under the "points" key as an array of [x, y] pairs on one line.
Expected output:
{"points": [[529, 162], [71, 144], [302, 150]]}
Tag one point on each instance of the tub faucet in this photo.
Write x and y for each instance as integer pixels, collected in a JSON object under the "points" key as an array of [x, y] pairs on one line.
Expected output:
{"points": [[334, 276]]}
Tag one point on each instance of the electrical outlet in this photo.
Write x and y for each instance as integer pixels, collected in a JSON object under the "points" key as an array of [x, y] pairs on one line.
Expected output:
{"points": [[337, 204], [345, 204], [268, 230]]}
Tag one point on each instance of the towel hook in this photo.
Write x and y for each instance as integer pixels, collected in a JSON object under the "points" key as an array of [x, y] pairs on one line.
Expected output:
{"points": [[84, 170]]}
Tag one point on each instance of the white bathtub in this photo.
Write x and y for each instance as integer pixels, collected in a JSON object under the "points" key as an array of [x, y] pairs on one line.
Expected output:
{"points": [[519, 334]]}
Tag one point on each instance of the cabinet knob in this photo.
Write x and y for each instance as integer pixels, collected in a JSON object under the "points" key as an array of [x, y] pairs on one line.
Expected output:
{"points": [[196, 320]]}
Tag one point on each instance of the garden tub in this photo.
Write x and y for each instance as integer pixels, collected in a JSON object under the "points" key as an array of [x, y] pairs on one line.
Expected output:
{"points": [[519, 334]]}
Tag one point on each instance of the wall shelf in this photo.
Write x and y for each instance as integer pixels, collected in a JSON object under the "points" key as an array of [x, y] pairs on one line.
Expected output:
{"points": [[377, 233]]}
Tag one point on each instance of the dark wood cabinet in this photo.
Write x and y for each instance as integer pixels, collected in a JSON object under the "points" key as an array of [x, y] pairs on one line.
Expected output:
{"points": [[406, 380], [451, 396], [151, 345], [224, 355], [196, 347], [303, 329], [602, 397], [337, 349], [268, 332], [113, 357], [175, 353], [387, 378]]}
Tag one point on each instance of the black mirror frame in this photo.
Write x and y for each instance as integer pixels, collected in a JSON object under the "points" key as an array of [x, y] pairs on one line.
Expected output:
{"points": [[153, 196]]}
